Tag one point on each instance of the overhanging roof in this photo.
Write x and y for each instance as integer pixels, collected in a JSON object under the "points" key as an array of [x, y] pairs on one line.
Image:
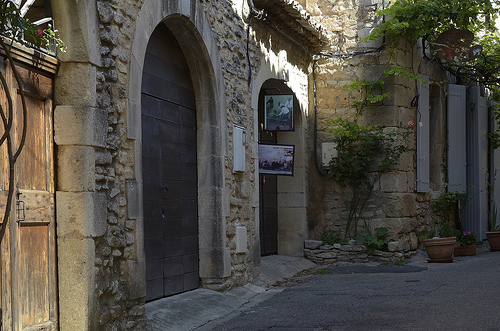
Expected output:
{"points": [[290, 15]]}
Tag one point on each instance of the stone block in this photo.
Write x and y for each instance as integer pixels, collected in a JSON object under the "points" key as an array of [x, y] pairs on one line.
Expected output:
{"points": [[80, 125], [400, 205], [395, 246], [413, 241], [394, 225], [137, 279], [76, 85], [134, 198], [133, 120], [81, 214], [312, 244], [76, 171], [380, 116], [394, 182], [291, 199], [329, 255], [76, 271], [291, 244], [292, 219], [79, 30]]}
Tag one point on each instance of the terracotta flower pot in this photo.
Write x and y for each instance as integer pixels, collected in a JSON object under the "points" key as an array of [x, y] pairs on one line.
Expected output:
{"points": [[440, 250], [469, 250], [494, 240]]}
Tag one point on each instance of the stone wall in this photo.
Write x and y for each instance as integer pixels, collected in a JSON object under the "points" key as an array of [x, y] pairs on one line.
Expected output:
{"points": [[394, 204], [320, 253], [96, 97]]}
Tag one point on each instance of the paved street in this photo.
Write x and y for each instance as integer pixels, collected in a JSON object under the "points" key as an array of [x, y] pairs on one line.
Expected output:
{"points": [[463, 295]]}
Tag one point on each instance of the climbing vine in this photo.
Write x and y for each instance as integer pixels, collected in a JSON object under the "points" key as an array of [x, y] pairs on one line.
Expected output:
{"points": [[364, 153]]}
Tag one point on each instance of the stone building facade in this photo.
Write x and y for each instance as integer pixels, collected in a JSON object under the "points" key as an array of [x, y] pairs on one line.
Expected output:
{"points": [[232, 53], [397, 203]]}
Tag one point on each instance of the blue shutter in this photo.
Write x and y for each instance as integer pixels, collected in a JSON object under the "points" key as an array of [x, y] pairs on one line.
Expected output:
{"points": [[457, 152], [423, 177], [476, 212]]}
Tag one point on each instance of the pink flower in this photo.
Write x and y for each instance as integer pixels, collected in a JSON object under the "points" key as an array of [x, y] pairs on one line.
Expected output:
{"points": [[40, 32], [410, 123]]}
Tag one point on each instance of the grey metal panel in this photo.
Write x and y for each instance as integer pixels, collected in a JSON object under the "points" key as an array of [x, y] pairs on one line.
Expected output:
{"points": [[476, 211], [423, 171], [457, 155]]}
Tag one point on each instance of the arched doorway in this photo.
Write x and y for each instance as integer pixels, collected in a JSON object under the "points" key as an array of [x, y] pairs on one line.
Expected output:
{"points": [[282, 205], [169, 157]]}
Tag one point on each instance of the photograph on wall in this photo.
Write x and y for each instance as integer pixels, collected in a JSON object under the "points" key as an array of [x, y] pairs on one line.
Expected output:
{"points": [[276, 159], [278, 112]]}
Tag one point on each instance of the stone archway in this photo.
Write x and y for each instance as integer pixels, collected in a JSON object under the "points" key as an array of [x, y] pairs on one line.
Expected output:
{"points": [[197, 43], [291, 197]]}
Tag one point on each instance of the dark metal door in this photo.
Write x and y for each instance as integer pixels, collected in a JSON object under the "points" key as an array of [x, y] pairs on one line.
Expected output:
{"points": [[268, 214], [169, 169]]}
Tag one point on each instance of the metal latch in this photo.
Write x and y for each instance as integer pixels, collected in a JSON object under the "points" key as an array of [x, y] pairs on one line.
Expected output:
{"points": [[20, 208]]}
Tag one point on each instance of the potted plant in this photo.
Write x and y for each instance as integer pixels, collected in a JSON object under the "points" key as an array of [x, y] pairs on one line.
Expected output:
{"points": [[448, 208], [440, 249], [494, 234], [466, 244]]}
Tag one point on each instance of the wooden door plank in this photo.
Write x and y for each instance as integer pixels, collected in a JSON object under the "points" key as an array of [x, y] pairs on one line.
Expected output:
{"points": [[34, 274]]}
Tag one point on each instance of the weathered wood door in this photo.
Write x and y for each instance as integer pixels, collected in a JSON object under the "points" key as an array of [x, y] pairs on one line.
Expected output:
{"points": [[169, 157], [28, 254]]}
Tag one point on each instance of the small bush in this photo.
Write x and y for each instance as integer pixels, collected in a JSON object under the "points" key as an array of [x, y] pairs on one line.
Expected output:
{"points": [[331, 237]]}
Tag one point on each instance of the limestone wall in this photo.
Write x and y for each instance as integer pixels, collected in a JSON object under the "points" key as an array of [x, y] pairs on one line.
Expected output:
{"points": [[395, 204], [97, 123]]}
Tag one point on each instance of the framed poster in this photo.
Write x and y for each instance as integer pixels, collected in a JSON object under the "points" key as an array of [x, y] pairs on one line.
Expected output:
{"points": [[276, 159], [278, 112]]}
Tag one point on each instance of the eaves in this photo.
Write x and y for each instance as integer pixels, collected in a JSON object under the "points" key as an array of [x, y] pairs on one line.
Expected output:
{"points": [[291, 18]]}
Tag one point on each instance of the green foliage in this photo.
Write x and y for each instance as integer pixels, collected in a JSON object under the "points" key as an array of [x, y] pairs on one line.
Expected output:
{"points": [[364, 153], [428, 18], [372, 242], [492, 220], [466, 238], [402, 261], [331, 237], [494, 136], [320, 271], [446, 229], [399, 70], [449, 206], [370, 92], [17, 28], [427, 234]]}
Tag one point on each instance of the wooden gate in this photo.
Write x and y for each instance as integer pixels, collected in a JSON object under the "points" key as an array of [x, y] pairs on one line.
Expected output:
{"points": [[169, 157], [28, 254]]}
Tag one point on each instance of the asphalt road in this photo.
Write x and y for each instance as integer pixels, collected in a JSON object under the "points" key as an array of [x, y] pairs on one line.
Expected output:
{"points": [[463, 295]]}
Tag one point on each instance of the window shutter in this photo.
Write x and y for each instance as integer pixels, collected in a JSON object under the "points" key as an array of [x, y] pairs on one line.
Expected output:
{"points": [[476, 209], [423, 177], [457, 152]]}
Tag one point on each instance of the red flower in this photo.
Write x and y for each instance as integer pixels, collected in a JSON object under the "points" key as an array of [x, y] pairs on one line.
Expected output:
{"points": [[40, 32]]}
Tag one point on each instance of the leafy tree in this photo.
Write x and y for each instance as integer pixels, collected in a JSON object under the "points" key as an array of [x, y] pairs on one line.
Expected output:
{"points": [[425, 20]]}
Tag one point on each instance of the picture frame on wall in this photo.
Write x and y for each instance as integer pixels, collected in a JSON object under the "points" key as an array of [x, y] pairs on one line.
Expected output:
{"points": [[276, 159], [278, 112]]}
